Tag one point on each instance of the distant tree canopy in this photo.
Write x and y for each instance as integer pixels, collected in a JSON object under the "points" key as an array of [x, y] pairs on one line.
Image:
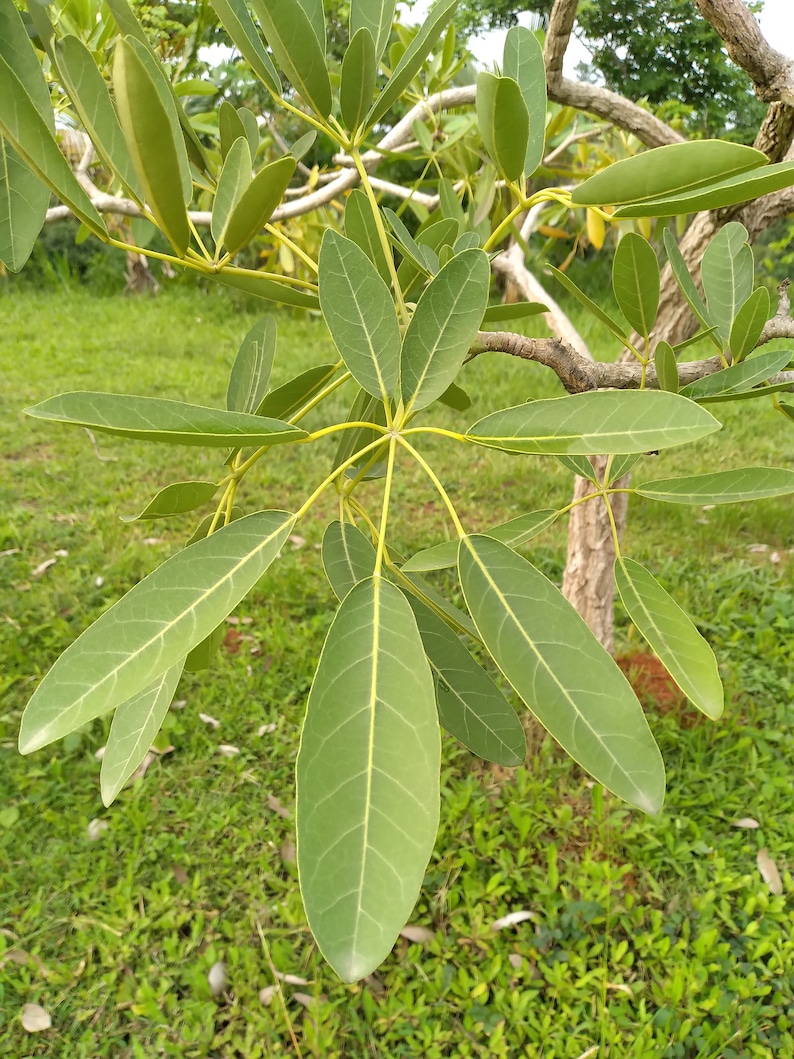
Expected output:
{"points": [[658, 50]]}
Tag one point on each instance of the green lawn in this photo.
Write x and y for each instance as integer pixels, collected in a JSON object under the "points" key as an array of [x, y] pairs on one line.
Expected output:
{"points": [[643, 937]]}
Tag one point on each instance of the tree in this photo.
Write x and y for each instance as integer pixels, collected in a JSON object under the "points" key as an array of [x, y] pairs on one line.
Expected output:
{"points": [[395, 662]]}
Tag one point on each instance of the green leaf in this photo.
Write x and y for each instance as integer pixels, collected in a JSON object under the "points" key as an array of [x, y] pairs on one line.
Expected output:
{"points": [[233, 182], [664, 360], [617, 330], [203, 528], [257, 203], [513, 533], [230, 127], [252, 366], [587, 424], [260, 286], [470, 705], [418, 262], [523, 61], [687, 284], [148, 128], [23, 208], [563, 674], [135, 724], [748, 324], [622, 465], [450, 203], [238, 23], [361, 228], [359, 74], [285, 400], [423, 256], [456, 397], [89, 95], [579, 465], [376, 16], [251, 130], [743, 187], [668, 170], [313, 9], [503, 121], [17, 50], [200, 658], [513, 311], [740, 377], [157, 419], [297, 49], [348, 557], [360, 314], [635, 281], [367, 780], [176, 499], [416, 586], [727, 274], [443, 328], [303, 144], [672, 635], [721, 487], [413, 58], [153, 627], [364, 409]]}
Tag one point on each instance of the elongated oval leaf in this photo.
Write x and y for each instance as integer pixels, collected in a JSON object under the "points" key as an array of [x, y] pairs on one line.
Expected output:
{"points": [[666, 365], [252, 366], [668, 170], [470, 705], [348, 557], [376, 16], [513, 311], [749, 323], [238, 23], [411, 273], [285, 400], [260, 286], [672, 635], [617, 330], [523, 61], [359, 73], [740, 377], [721, 487], [635, 281], [503, 121], [687, 284], [727, 274], [251, 127], [23, 208], [443, 328], [201, 656], [16, 48], [563, 674], [361, 228], [176, 499], [135, 724], [230, 127], [360, 314], [587, 424], [514, 533], [233, 182], [367, 780], [297, 49], [257, 202], [153, 627], [157, 419]]}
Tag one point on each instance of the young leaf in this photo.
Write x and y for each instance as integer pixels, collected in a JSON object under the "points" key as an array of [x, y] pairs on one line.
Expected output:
{"points": [[364, 409], [587, 424], [687, 284], [617, 330], [303, 145], [513, 533], [443, 328], [376, 16], [367, 780], [285, 400], [748, 324], [298, 50], [259, 286], [23, 208], [361, 228], [252, 366], [421, 255], [238, 23], [360, 314], [523, 61], [470, 706], [721, 487], [348, 557], [176, 499], [257, 203], [233, 182], [252, 130], [727, 274], [157, 419], [579, 465], [153, 627], [635, 281], [664, 360], [503, 120], [740, 377], [672, 635], [230, 127], [563, 674], [359, 74], [434, 238], [450, 203], [513, 311]]}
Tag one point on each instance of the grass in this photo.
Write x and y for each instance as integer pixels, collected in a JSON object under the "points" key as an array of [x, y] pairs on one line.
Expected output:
{"points": [[646, 938]]}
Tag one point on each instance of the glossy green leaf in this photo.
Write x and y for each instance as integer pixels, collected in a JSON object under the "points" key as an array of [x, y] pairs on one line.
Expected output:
{"points": [[743, 187], [687, 284], [740, 377], [135, 724], [237, 22], [727, 274], [230, 127], [148, 129], [376, 16], [561, 671], [250, 373], [152, 628], [257, 203], [361, 228], [157, 419], [503, 121], [668, 170], [176, 499], [587, 424], [412, 59], [443, 327], [360, 314], [749, 323], [285, 400], [348, 557], [523, 61], [672, 635], [202, 655], [470, 705], [297, 49], [367, 780], [635, 281], [617, 329], [260, 286], [359, 74], [23, 208], [513, 311], [233, 182], [89, 94], [721, 487], [514, 533], [664, 360]]}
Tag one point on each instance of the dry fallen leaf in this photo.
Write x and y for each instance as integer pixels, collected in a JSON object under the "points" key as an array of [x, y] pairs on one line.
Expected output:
{"points": [[769, 872], [746, 822], [266, 995], [34, 1018], [10, 551], [180, 875], [228, 750], [42, 568], [417, 934], [205, 717], [297, 541], [217, 978], [511, 919], [24, 959], [277, 807], [99, 754], [515, 961], [266, 729], [307, 1000], [288, 851], [291, 979], [620, 987], [95, 829], [99, 581], [152, 540]]}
